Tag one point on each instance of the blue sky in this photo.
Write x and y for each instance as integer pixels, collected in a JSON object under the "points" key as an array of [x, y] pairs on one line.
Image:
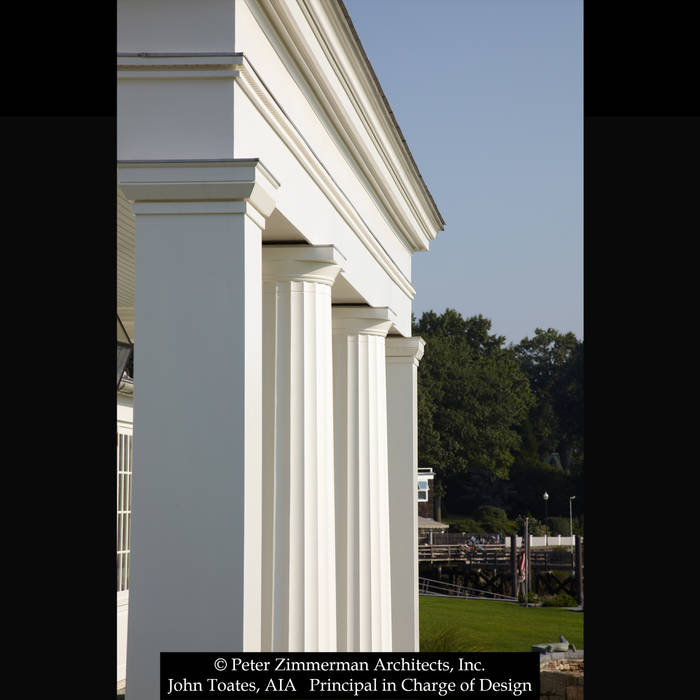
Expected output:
{"points": [[489, 95]]}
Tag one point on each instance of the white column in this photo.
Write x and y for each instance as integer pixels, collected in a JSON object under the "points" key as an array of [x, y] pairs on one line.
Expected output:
{"points": [[298, 500], [361, 489], [402, 358], [196, 530]]}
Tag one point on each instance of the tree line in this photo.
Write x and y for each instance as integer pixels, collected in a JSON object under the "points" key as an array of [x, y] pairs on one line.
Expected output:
{"points": [[500, 424]]}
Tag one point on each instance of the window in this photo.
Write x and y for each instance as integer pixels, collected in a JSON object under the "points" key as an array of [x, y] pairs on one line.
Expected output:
{"points": [[423, 481], [423, 489], [124, 441]]}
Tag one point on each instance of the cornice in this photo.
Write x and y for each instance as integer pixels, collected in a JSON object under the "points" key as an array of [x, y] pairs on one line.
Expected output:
{"points": [[235, 66], [256, 90], [340, 10], [370, 110], [369, 98]]}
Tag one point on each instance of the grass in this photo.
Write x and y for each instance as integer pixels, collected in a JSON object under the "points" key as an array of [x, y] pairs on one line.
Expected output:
{"points": [[452, 624]]}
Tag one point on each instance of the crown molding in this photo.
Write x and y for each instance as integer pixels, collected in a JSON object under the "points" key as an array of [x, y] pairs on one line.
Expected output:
{"points": [[368, 130]]}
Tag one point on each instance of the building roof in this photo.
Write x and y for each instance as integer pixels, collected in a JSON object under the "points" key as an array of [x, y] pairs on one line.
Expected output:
{"points": [[430, 524]]}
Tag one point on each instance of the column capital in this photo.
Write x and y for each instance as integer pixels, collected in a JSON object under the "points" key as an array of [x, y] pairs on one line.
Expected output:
{"points": [[362, 320], [197, 186], [408, 349], [301, 263]]}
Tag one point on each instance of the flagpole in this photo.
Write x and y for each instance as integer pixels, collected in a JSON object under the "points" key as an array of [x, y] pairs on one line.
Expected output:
{"points": [[527, 563], [514, 564]]}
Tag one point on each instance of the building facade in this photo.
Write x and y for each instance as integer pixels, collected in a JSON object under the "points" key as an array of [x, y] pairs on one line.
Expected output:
{"points": [[268, 209]]}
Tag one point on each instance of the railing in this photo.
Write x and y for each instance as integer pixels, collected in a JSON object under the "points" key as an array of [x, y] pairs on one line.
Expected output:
{"points": [[487, 540], [547, 541], [486, 553], [461, 538], [428, 586], [492, 555]]}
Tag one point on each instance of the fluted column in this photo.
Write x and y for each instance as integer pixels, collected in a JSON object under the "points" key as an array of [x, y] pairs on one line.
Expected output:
{"points": [[402, 358], [361, 487], [298, 577]]}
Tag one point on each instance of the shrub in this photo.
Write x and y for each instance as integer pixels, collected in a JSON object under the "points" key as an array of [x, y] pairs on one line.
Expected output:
{"points": [[534, 526], [560, 600], [465, 525], [493, 519], [531, 597], [562, 526], [558, 526]]}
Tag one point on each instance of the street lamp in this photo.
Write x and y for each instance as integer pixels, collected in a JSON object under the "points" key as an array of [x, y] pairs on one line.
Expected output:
{"points": [[546, 498], [571, 532]]}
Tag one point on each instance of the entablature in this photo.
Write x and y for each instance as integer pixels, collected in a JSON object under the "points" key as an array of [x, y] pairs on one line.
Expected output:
{"points": [[333, 69]]}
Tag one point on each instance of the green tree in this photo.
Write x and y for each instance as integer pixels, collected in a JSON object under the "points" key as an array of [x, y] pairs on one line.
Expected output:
{"points": [[553, 362], [476, 487], [534, 526], [472, 395], [493, 520]]}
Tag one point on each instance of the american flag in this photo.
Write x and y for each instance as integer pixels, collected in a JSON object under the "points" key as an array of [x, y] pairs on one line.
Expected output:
{"points": [[523, 564]]}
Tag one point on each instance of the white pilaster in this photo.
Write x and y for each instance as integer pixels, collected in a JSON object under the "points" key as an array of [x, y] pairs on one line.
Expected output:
{"points": [[196, 532], [298, 501], [362, 499], [402, 358]]}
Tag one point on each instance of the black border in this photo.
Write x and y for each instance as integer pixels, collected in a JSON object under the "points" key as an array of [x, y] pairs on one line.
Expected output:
{"points": [[59, 176]]}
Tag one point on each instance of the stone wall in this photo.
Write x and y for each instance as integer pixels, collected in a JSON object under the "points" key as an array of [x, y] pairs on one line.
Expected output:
{"points": [[561, 676]]}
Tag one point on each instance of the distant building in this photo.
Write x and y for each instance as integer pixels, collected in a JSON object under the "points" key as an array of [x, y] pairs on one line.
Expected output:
{"points": [[425, 492], [427, 525]]}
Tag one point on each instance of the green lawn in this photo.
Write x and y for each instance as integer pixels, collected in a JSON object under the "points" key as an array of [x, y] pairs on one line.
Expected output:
{"points": [[452, 624]]}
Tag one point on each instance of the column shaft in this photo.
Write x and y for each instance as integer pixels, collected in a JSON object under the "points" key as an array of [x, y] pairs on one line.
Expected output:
{"points": [[195, 558], [402, 357], [298, 500], [362, 498]]}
